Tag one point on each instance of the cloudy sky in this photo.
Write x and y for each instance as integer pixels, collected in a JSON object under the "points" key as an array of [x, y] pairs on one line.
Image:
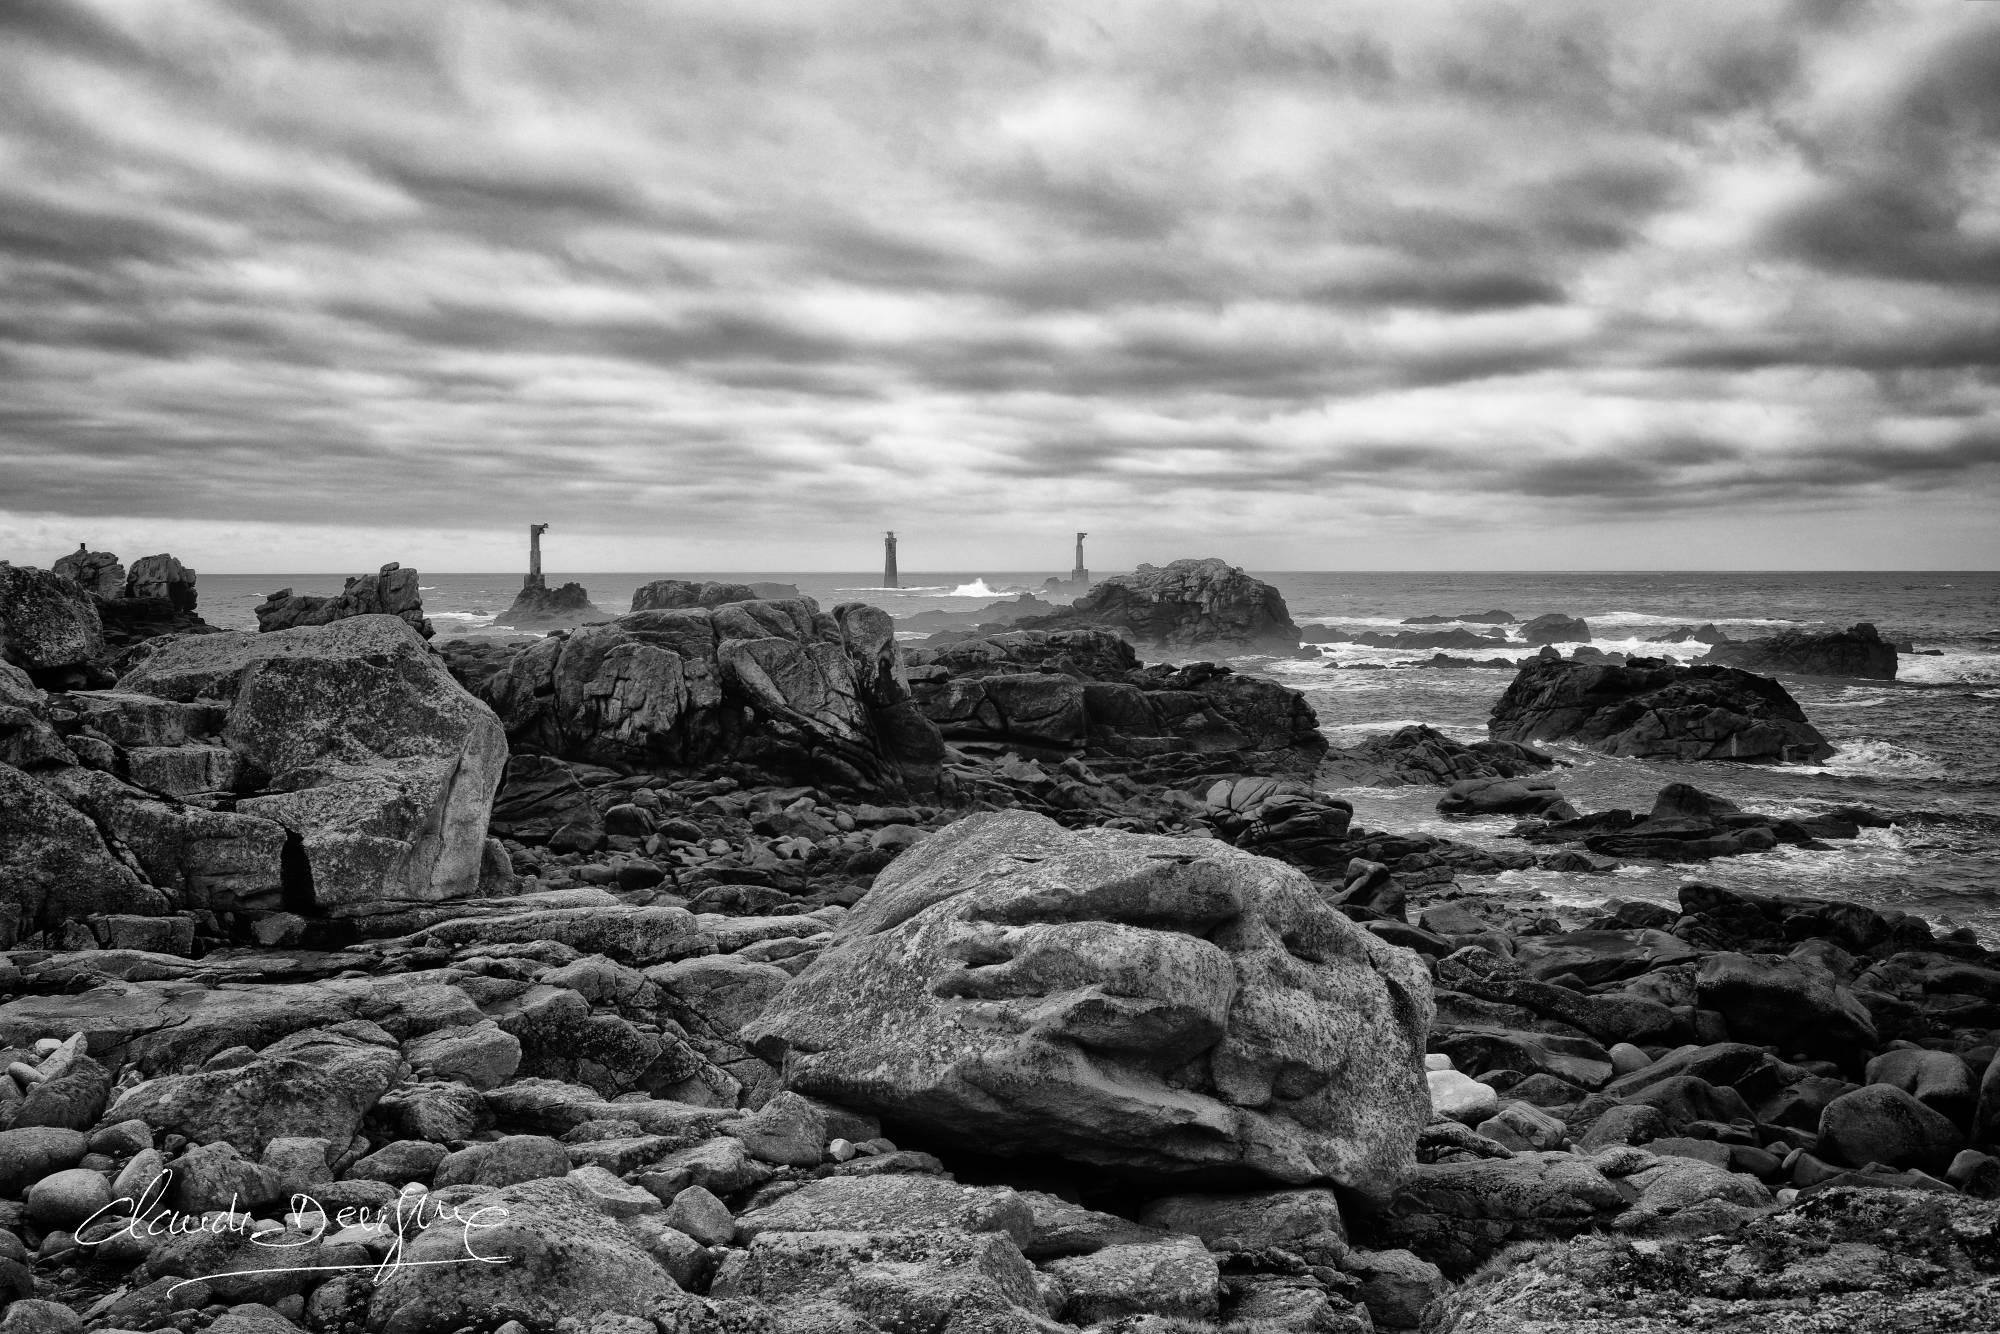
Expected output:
{"points": [[300, 285]]}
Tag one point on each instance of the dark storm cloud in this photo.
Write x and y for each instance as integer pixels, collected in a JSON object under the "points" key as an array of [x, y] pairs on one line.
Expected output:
{"points": [[362, 263]]}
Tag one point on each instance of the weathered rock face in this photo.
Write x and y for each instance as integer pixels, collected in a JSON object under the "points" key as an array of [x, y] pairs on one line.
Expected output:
{"points": [[778, 685], [162, 577], [1847, 1258], [1129, 1001], [97, 572], [392, 591], [1420, 754], [672, 594], [1556, 628], [1083, 690], [48, 626], [540, 608], [1182, 606], [1647, 708], [358, 741], [1860, 651], [54, 865]]}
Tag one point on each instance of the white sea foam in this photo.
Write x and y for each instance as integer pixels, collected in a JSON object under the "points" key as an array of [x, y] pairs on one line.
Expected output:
{"points": [[1951, 669], [468, 617], [976, 589], [1869, 757]]}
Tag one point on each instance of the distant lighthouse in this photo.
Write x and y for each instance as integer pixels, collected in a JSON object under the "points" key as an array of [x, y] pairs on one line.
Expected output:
{"points": [[1079, 575], [535, 579], [889, 562]]}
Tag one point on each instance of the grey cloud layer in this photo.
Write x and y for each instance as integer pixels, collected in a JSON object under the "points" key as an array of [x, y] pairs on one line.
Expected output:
{"points": [[629, 264]]}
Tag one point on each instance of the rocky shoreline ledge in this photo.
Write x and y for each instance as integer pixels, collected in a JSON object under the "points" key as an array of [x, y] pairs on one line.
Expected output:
{"points": [[726, 967]]}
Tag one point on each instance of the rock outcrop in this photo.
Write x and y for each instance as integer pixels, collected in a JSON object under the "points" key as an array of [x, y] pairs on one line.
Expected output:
{"points": [[391, 591], [1860, 651], [1007, 611], [671, 594], [1420, 754], [1689, 825], [541, 608], [99, 573], [1556, 628], [352, 737], [1126, 1001], [1183, 606], [779, 686], [49, 627], [1083, 691], [164, 578], [1649, 708]]}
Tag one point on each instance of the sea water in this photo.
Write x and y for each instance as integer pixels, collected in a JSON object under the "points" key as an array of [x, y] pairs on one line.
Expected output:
{"points": [[1924, 748]]}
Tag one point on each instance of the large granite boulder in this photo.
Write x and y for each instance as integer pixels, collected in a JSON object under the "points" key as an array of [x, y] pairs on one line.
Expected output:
{"points": [[780, 686], [1182, 606], [1162, 1008], [1650, 708], [1860, 651], [96, 572], [55, 866], [353, 737], [161, 577], [49, 626], [391, 591], [539, 607]]}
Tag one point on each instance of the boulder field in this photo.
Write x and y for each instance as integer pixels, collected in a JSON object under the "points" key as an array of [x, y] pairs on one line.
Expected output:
{"points": [[791, 984]]}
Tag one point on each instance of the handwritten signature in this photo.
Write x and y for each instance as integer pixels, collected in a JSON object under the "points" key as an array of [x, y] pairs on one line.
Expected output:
{"points": [[408, 1215]]}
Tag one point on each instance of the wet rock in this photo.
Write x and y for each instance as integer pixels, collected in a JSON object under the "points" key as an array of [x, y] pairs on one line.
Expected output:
{"points": [[1182, 605], [1859, 652], [1648, 708], [1555, 628]]}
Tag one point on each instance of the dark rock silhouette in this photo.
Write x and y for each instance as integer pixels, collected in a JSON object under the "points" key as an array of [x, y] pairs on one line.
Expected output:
{"points": [[1860, 651], [1181, 606], [668, 594], [1647, 707], [1556, 628], [1492, 617], [539, 607]]}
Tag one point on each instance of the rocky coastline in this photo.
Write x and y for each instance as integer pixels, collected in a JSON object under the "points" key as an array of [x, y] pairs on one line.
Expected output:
{"points": [[726, 966]]}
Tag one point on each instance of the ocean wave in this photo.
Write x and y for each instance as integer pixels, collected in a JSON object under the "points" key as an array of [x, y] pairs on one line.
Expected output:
{"points": [[977, 589], [904, 588], [1678, 618], [468, 617], [1951, 669], [1869, 757]]}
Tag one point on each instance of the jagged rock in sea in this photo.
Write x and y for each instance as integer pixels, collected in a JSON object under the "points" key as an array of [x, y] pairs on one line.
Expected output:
{"points": [[1556, 628], [1506, 796], [49, 627], [352, 737], [95, 572], [1420, 754], [1084, 691], [391, 591], [1404, 639], [1860, 651], [1705, 633], [1182, 606], [540, 608], [1120, 1000], [1647, 707], [670, 594], [1004, 612], [1492, 617], [1689, 825], [779, 686]]}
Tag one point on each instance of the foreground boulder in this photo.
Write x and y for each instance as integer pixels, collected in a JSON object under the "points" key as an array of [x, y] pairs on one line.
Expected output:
{"points": [[781, 686], [48, 626], [1648, 708], [1861, 1260], [1150, 1005], [391, 591], [353, 737], [1860, 651], [1183, 605]]}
